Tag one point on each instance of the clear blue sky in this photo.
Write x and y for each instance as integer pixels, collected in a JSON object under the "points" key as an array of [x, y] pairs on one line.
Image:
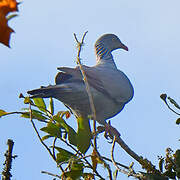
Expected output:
{"points": [[44, 40]]}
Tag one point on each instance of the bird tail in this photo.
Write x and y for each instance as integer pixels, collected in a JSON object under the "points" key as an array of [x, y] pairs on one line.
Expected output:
{"points": [[43, 92]]}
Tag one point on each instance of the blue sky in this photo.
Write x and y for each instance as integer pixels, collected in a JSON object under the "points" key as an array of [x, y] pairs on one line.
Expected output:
{"points": [[44, 41]]}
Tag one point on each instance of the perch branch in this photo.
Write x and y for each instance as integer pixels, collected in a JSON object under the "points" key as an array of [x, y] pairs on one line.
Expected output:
{"points": [[130, 171], [93, 110]]}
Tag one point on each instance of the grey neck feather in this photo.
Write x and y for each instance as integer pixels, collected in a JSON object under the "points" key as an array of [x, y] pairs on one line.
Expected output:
{"points": [[104, 56]]}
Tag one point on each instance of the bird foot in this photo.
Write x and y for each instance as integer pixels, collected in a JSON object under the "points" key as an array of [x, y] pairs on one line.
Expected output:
{"points": [[110, 131]]}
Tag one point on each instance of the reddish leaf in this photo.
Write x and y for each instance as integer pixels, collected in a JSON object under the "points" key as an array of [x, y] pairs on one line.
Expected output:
{"points": [[6, 6], [68, 114]]}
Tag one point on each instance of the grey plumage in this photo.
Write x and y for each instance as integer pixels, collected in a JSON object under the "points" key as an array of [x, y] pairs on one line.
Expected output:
{"points": [[110, 87]]}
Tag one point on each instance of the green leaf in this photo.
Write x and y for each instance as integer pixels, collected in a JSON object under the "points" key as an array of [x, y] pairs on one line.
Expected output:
{"points": [[115, 173], [3, 113], [35, 115], [51, 106], [27, 100], [63, 155], [83, 134], [72, 136], [52, 129], [39, 102], [73, 174], [46, 137], [76, 170]]}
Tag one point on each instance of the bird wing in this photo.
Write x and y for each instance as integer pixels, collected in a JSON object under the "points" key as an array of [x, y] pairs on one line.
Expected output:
{"points": [[113, 84]]}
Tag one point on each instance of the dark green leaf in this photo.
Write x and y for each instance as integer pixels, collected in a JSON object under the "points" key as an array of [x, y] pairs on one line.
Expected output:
{"points": [[178, 121], [71, 133], [72, 136], [161, 163], [52, 129], [39, 102], [77, 165], [163, 97], [3, 113], [83, 134], [73, 174], [170, 174], [63, 155]]}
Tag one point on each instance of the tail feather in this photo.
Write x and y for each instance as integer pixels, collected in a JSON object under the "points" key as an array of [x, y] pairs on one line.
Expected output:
{"points": [[43, 92]]}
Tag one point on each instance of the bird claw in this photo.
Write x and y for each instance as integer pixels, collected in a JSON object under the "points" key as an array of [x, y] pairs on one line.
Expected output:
{"points": [[110, 132]]}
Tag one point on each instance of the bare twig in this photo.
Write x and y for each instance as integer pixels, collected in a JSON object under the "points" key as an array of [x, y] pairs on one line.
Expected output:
{"points": [[34, 126], [122, 165], [163, 97], [112, 157], [6, 175], [93, 110], [130, 171], [51, 174]]}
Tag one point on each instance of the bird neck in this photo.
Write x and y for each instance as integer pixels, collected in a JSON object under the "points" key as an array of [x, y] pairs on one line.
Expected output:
{"points": [[104, 56]]}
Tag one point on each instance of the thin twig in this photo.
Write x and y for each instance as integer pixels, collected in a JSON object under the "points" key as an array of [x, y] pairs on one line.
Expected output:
{"points": [[93, 110], [112, 157], [110, 173], [171, 108], [51, 174], [34, 126], [122, 165]]}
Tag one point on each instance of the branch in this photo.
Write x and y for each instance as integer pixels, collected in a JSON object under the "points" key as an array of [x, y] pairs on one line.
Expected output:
{"points": [[145, 163], [6, 175], [51, 174], [93, 110], [112, 158], [34, 126], [130, 171]]}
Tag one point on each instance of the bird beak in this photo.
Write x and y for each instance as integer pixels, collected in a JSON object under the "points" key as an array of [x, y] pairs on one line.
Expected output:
{"points": [[124, 47]]}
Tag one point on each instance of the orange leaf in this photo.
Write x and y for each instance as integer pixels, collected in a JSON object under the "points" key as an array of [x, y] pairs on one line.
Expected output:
{"points": [[6, 6], [5, 31]]}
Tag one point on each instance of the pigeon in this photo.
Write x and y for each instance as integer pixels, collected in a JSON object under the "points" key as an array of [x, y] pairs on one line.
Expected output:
{"points": [[110, 88]]}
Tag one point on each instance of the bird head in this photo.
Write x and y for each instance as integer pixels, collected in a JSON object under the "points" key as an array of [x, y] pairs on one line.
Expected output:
{"points": [[110, 42]]}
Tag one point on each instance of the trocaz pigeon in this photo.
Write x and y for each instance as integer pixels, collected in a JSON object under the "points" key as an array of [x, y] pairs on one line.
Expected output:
{"points": [[110, 87]]}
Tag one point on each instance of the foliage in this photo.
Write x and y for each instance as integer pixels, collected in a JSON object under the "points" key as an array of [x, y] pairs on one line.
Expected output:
{"points": [[75, 163]]}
